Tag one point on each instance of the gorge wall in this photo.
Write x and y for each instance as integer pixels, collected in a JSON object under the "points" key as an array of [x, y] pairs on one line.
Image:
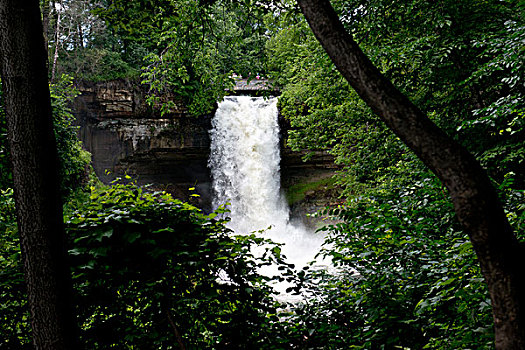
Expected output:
{"points": [[127, 136]]}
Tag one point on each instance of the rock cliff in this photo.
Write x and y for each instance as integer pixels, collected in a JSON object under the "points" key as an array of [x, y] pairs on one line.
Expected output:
{"points": [[126, 136]]}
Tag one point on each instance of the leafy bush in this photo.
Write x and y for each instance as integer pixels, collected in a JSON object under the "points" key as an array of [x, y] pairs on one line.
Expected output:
{"points": [[152, 272], [14, 315], [407, 276]]}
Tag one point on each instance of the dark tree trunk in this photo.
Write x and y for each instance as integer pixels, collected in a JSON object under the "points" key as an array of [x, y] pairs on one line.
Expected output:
{"points": [[34, 158], [45, 23], [475, 200], [80, 36]]}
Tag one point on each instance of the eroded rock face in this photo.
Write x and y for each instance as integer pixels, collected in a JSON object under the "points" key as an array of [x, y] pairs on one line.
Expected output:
{"points": [[126, 136], [117, 99]]}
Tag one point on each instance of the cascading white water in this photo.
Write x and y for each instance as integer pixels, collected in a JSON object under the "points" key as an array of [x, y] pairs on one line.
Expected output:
{"points": [[244, 162]]}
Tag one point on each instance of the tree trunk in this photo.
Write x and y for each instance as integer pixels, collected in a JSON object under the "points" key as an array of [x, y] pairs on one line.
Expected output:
{"points": [[475, 200], [57, 42], [45, 23], [34, 158]]}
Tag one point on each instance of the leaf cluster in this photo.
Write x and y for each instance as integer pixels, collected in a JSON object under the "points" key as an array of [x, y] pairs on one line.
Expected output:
{"points": [[14, 314], [150, 271], [406, 276], [200, 47]]}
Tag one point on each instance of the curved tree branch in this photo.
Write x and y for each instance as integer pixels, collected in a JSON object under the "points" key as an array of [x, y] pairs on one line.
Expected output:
{"points": [[475, 200]]}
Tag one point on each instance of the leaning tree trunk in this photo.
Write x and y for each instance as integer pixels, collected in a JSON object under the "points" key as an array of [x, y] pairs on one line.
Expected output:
{"points": [[34, 158], [475, 200]]}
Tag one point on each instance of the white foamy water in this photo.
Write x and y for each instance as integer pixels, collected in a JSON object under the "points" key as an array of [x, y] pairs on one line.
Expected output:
{"points": [[244, 162]]}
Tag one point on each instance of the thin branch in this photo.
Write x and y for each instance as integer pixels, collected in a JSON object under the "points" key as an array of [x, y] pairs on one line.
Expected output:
{"points": [[176, 331]]}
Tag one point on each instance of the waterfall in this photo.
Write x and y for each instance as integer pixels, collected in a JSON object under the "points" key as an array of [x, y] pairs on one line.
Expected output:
{"points": [[245, 169]]}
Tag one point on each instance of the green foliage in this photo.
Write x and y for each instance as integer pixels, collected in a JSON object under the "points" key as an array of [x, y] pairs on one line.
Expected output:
{"points": [[504, 117], [74, 161], [324, 112], [188, 48], [299, 191], [460, 72], [14, 315], [95, 64], [85, 47], [151, 271], [514, 204], [407, 276], [200, 48]]}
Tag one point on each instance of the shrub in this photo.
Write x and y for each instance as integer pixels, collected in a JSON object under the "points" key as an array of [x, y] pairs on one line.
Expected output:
{"points": [[153, 272]]}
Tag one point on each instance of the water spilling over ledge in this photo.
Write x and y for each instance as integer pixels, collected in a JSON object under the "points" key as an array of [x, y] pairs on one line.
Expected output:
{"points": [[244, 162]]}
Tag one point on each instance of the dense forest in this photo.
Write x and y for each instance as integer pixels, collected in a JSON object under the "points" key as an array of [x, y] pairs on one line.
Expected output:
{"points": [[421, 103]]}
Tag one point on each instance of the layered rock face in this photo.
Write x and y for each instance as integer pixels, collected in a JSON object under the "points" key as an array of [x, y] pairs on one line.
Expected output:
{"points": [[126, 136]]}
